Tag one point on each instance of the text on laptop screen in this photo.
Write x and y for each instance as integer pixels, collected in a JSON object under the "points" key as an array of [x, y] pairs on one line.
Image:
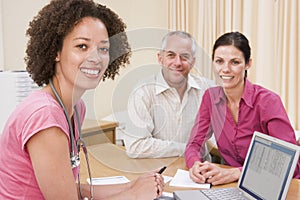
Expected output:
{"points": [[271, 162]]}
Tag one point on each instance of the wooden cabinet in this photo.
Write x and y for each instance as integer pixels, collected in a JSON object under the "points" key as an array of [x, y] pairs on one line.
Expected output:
{"points": [[98, 131]]}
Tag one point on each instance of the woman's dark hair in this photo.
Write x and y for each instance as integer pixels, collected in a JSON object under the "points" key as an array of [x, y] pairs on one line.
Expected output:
{"points": [[48, 29], [238, 40]]}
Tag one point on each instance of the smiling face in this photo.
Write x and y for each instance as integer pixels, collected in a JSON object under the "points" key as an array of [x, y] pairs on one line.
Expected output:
{"points": [[84, 56], [229, 64], [176, 59]]}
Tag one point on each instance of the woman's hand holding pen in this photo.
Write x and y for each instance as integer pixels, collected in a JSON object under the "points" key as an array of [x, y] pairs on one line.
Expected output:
{"points": [[207, 172], [160, 181], [147, 186]]}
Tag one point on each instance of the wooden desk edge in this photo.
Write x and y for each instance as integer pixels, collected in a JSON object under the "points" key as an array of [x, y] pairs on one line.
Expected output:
{"points": [[100, 170], [92, 125]]}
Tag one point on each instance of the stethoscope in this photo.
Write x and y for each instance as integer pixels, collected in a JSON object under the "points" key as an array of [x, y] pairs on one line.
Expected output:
{"points": [[74, 156]]}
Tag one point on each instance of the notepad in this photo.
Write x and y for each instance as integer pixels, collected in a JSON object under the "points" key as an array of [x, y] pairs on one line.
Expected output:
{"points": [[116, 180], [108, 180], [165, 196], [182, 179], [167, 179]]}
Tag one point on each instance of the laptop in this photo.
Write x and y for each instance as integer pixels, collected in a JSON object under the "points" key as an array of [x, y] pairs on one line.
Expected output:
{"points": [[267, 172]]}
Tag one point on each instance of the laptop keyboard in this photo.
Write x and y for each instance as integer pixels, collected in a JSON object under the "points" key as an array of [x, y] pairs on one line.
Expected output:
{"points": [[224, 194]]}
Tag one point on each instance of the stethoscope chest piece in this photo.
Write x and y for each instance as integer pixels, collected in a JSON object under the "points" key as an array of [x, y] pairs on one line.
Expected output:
{"points": [[75, 161]]}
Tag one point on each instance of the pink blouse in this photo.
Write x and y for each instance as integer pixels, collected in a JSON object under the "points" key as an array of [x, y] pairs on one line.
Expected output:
{"points": [[260, 110], [38, 111]]}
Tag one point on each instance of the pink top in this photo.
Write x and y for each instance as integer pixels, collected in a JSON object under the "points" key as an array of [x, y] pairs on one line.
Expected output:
{"points": [[37, 112], [260, 110]]}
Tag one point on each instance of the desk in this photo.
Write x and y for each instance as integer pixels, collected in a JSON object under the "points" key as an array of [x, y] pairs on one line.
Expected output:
{"points": [[98, 131], [101, 170]]}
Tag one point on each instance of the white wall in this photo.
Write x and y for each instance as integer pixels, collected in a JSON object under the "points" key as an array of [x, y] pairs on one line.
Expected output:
{"points": [[16, 15], [146, 21]]}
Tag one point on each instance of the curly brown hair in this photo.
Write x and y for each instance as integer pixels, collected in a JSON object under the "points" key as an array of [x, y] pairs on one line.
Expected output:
{"points": [[48, 29]]}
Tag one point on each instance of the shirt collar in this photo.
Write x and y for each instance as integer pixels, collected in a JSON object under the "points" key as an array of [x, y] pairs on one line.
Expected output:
{"points": [[161, 84], [217, 94], [247, 94]]}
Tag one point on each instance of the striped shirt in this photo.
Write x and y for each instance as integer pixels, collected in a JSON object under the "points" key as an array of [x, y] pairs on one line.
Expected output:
{"points": [[160, 123]]}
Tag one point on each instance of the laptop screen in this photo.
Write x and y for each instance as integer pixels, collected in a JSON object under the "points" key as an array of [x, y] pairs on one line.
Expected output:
{"points": [[267, 169]]}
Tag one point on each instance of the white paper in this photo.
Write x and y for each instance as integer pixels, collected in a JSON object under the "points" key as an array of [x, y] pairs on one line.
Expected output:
{"points": [[117, 180], [167, 178], [182, 179], [166, 196], [297, 133], [108, 180]]}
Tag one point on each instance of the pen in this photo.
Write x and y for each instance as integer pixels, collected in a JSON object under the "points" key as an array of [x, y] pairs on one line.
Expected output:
{"points": [[162, 170], [210, 184]]}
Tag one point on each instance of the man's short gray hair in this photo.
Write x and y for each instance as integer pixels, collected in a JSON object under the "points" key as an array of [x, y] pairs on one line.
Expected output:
{"points": [[181, 34]]}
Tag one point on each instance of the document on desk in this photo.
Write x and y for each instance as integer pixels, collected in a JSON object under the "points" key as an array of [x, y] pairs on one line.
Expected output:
{"points": [[108, 180], [182, 179], [166, 196], [116, 180], [167, 178]]}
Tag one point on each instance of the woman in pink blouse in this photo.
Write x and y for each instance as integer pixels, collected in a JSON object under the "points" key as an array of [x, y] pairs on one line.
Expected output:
{"points": [[232, 112]]}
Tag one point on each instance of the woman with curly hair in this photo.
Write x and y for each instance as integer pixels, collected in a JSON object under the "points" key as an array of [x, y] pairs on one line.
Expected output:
{"points": [[73, 44]]}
